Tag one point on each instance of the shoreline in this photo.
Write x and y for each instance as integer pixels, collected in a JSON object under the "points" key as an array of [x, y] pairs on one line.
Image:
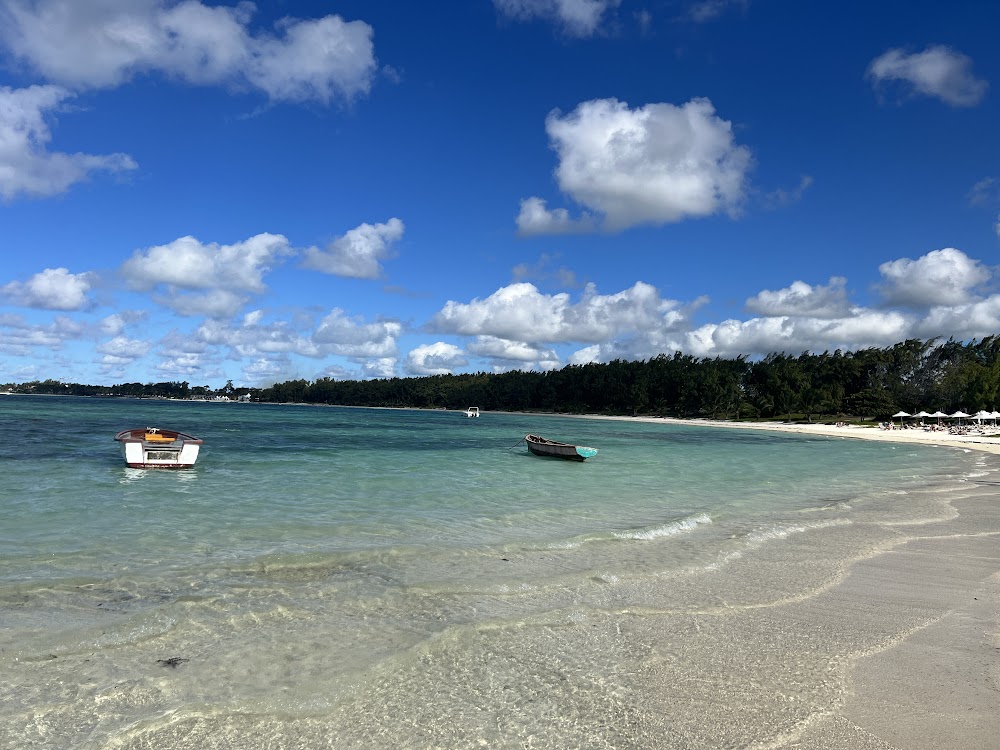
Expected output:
{"points": [[986, 444], [931, 685]]}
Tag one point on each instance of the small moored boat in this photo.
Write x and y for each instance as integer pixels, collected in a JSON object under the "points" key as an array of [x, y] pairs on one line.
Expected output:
{"points": [[472, 411], [542, 447], [153, 448]]}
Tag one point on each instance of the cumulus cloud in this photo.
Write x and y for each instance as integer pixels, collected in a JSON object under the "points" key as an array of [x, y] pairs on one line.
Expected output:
{"points": [[578, 18], [52, 289], [21, 338], [103, 44], [941, 277], [383, 367], [206, 279], [254, 338], [977, 319], [438, 358], [520, 312], [352, 337], [114, 324], [761, 336], [26, 165], [536, 218], [359, 252], [655, 164], [372, 345], [938, 71], [803, 300], [495, 348], [269, 370], [121, 350]]}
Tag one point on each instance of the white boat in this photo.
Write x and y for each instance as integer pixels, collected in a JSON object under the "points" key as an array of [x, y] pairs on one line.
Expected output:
{"points": [[153, 448], [472, 411]]}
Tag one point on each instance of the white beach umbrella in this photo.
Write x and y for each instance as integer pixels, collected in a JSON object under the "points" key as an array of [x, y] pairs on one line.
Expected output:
{"points": [[959, 415], [983, 414], [939, 414], [923, 414], [901, 414]]}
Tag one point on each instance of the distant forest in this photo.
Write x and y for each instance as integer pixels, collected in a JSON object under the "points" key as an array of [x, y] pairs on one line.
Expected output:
{"points": [[864, 384]]}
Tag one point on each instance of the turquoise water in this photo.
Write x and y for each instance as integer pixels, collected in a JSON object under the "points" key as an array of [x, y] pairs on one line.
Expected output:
{"points": [[330, 576]]}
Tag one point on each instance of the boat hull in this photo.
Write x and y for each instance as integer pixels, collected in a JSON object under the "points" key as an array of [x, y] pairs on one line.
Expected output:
{"points": [[152, 448], [554, 449]]}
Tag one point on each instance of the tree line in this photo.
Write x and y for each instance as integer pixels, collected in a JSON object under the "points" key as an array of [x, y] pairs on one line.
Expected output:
{"points": [[864, 384]]}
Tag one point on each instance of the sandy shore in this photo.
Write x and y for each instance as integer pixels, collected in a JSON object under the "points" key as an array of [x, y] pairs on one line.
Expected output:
{"points": [[932, 686]]}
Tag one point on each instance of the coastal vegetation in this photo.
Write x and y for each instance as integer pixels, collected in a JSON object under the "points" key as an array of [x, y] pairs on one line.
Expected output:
{"points": [[864, 384]]}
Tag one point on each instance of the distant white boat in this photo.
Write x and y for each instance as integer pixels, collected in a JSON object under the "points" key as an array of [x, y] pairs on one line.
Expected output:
{"points": [[472, 411], [153, 448]]}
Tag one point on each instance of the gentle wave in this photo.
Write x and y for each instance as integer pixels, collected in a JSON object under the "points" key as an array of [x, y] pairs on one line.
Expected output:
{"points": [[671, 529]]}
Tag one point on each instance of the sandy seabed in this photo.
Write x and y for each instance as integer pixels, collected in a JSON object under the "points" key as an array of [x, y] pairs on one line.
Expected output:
{"points": [[934, 685]]}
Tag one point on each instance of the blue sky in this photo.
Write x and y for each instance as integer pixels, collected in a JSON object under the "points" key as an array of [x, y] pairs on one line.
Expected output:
{"points": [[258, 192]]}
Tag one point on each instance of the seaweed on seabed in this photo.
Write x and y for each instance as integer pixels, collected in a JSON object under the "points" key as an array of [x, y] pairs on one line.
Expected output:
{"points": [[173, 662]]}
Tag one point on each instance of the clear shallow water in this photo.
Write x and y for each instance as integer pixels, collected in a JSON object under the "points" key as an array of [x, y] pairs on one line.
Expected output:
{"points": [[358, 577]]}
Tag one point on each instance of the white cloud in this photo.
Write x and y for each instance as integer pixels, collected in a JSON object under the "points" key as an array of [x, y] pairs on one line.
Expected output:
{"points": [[382, 367], [52, 289], [656, 164], [114, 324], [20, 338], [357, 254], [586, 356], [26, 166], [941, 277], [187, 366], [372, 345], [520, 312], [255, 339], [802, 299], [535, 218], [938, 71], [505, 350], [352, 337], [579, 18], [102, 44], [269, 370], [761, 336], [438, 358], [206, 279], [122, 351], [966, 321]]}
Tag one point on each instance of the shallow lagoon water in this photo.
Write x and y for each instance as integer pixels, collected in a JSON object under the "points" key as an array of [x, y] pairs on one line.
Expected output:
{"points": [[336, 577]]}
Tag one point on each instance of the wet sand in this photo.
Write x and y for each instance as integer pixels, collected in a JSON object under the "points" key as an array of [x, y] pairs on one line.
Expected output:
{"points": [[930, 685]]}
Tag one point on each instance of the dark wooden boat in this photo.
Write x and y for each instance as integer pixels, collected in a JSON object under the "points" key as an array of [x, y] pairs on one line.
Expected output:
{"points": [[554, 449], [153, 448]]}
